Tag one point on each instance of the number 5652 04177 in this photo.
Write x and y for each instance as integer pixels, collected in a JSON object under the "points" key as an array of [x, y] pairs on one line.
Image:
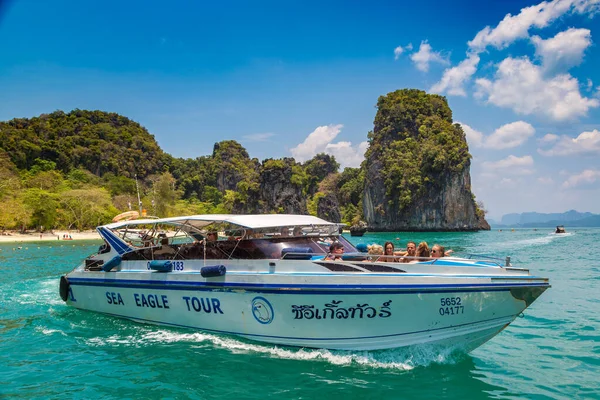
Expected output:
{"points": [[451, 306]]}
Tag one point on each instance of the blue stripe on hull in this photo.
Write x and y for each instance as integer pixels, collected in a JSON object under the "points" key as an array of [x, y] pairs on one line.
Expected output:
{"points": [[294, 288]]}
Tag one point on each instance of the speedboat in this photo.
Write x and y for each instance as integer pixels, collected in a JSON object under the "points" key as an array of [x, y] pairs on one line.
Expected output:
{"points": [[270, 278], [560, 229]]}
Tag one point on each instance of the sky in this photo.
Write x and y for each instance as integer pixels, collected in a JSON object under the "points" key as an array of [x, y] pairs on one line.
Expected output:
{"points": [[297, 78]]}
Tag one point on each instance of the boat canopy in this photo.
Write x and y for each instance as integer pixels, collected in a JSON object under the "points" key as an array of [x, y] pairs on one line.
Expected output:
{"points": [[249, 221]]}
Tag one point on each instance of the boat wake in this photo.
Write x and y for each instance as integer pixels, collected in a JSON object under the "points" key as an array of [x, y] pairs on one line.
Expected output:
{"points": [[403, 359], [537, 241], [561, 234]]}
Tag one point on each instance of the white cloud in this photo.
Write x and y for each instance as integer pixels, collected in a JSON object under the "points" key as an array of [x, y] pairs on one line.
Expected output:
{"points": [[454, 78], [585, 178], [316, 142], [506, 137], [564, 50], [589, 85], [549, 138], [346, 154], [510, 165], [521, 86], [425, 55], [510, 135], [587, 143], [320, 141], [258, 137], [474, 137], [397, 51], [514, 27]]}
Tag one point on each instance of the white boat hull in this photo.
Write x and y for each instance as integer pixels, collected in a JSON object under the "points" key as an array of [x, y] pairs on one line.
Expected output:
{"points": [[339, 317], [285, 279]]}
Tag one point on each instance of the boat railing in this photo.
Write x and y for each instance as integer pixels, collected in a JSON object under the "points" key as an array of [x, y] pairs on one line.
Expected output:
{"points": [[482, 260], [486, 258]]}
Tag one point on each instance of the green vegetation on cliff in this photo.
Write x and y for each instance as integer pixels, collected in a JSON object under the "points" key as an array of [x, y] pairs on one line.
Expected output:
{"points": [[417, 167], [97, 141], [415, 141], [77, 170]]}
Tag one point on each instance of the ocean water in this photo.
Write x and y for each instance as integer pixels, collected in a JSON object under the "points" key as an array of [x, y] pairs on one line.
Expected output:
{"points": [[51, 351]]}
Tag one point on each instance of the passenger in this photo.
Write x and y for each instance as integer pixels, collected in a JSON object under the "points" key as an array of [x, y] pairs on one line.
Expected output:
{"points": [[375, 250], [212, 236], [423, 251], [251, 234], [389, 255], [285, 231], [439, 251], [411, 251], [298, 231], [336, 250]]}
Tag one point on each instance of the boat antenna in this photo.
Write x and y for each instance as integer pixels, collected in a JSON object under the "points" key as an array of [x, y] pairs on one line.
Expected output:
{"points": [[138, 194]]}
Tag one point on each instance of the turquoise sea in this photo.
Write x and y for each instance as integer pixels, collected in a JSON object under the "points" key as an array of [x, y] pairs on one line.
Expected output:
{"points": [[51, 351]]}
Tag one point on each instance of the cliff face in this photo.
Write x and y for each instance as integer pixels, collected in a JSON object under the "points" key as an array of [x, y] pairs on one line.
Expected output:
{"points": [[328, 208], [280, 191], [417, 168], [232, 165], [449, 209]]}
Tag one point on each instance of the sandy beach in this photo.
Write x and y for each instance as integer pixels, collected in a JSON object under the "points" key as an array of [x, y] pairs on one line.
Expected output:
{"points": [[15, 237]]}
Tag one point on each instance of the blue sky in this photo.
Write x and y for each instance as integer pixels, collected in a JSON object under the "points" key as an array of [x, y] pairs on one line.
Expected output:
{"points": [[299, 77]]}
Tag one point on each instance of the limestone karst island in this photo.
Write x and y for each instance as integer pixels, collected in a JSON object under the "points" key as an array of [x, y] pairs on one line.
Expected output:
{"points": [[78, 169]]}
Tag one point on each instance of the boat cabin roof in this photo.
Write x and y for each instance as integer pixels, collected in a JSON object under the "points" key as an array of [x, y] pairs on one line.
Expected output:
{"points": [[249, 221]]}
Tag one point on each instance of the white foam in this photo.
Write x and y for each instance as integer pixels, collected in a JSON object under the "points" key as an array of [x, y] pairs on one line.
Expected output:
{"points": [[400, 359], [537, 241], [47, 331], [42, 292]]}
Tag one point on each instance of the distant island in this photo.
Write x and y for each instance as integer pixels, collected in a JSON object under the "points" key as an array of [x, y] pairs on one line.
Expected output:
{"points": [[570, 218], [78, 169]]}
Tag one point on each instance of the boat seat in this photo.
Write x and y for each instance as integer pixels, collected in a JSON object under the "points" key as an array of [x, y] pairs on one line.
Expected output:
{"points": [[297, 253]]}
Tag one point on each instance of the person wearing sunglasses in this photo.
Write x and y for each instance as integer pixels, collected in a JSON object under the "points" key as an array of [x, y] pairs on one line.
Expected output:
{"points": [[438, 251]]}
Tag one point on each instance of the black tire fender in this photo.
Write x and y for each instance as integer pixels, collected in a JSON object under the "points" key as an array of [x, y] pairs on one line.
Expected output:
{"points": [[64, 288]]}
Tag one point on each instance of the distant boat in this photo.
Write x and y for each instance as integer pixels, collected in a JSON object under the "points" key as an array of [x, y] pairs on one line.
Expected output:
{"points": [[560, 229], [357, 231]]}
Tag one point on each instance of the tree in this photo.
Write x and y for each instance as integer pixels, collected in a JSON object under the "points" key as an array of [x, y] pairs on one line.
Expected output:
{"points": [[14, 214], [164, 194], [317, 168], [86, 208], [9, 177], [43, 206]]}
